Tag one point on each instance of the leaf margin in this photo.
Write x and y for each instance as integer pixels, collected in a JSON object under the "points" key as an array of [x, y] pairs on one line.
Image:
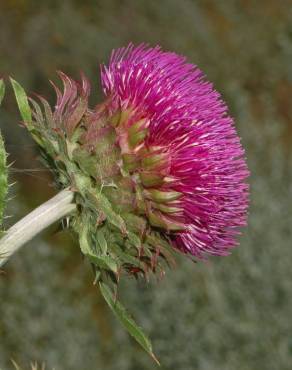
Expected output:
{"points": [[128, 322]]}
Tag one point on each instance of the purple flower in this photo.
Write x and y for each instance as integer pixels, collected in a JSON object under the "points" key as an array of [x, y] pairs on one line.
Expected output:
{"points": [[180, 147], [156, 165]]}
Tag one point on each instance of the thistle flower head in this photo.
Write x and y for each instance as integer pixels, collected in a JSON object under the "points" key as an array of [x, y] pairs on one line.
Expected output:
{"points": [[157, 166], [188, 158]]}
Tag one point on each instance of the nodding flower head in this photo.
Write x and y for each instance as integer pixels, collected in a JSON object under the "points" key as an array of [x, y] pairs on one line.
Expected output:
{"points": [[189, 159], [157, 165]]}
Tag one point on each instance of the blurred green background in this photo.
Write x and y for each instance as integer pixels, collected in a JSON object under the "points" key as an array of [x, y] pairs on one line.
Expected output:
{"points": [[225, 314]]}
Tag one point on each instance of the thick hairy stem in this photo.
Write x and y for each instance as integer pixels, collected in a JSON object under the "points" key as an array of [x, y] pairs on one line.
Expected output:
{"points": [[24, 230]]}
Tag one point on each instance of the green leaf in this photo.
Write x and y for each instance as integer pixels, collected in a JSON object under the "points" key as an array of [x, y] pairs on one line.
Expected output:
{"points": [[83, 240], [101, 241], [101, 203], [129, 324], [3, 178], [126, 257], [2, 90], [134, 239], [3, 165], [22, 102], [104, 262], [26, 114]]}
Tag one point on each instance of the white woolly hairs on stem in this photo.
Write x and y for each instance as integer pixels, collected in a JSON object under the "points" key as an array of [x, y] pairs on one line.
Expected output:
{"points": [[24, 230]]}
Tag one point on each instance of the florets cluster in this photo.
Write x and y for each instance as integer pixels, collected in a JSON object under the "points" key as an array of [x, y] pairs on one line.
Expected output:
{"points": [[190, 158]]}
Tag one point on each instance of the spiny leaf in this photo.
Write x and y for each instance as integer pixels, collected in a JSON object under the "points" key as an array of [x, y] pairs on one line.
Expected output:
{"points": [[104, 262], [122, 315], [103, 205], [22, 102], [26, 112], [126, 257], [3, 178], [101, 241], [3, 165], [2, 90], [101, 261], [83, 240]]}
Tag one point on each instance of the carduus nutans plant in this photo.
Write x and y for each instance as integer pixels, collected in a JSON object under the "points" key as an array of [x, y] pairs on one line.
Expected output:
{"points": [[157, 166]]}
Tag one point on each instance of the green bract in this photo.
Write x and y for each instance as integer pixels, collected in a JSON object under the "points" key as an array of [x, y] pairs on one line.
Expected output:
{"points": [[3, 166], [80, 146]]}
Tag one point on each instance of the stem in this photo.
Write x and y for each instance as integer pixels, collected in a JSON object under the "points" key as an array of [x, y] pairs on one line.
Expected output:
{"points": [[24, 230]]}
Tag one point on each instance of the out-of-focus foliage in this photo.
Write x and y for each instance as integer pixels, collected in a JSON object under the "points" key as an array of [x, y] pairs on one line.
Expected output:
{"points": [[33, 366], [229, 313]]}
